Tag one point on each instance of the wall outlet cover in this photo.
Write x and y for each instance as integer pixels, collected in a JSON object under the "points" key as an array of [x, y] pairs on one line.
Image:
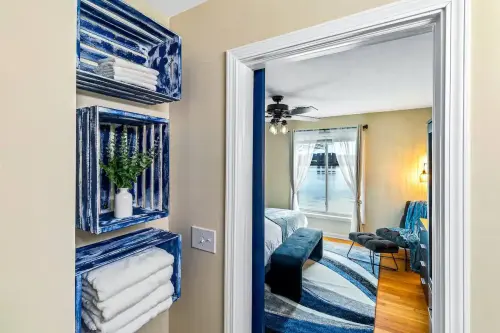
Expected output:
{"points": [[203, 239]]}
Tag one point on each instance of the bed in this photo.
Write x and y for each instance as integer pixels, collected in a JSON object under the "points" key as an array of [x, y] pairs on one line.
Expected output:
{"points": [[279, 224]]}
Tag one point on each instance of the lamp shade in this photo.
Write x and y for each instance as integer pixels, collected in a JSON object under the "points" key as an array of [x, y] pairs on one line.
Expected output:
{"points": [[424, 177], [273, 129], [284, 129]]}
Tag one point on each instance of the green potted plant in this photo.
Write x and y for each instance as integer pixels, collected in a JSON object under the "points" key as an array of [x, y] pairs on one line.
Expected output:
{"points": [[123, 169]]}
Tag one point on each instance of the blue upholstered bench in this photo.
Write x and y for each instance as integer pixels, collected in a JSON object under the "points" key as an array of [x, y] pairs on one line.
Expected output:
{"points": [[285, 275]]}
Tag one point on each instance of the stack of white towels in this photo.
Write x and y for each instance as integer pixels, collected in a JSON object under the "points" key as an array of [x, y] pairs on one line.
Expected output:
{"points": [[128, 72], [123, 296]]}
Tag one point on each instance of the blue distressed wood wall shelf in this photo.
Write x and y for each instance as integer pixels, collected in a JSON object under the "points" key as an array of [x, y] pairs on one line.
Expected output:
{"points": [[111, 28], [94, 192], [103, 253]]}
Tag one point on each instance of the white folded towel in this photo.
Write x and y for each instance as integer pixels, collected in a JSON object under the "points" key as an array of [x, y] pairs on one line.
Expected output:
{"points": [[85, 329], [142, 320], [87, 321], [108, 309], [107, 281], [135, 82], [127, 64], [161, 294], [135, 78], [114, 69]]}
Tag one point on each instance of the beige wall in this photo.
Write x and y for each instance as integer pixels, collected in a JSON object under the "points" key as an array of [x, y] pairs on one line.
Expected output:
{"points": [[485, 176], [396, 148], [199, 121], [37, 177], [277, 170]]}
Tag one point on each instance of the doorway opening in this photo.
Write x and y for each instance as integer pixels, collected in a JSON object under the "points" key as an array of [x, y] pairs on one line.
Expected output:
{"points": [[348, 154], [244, 208]]}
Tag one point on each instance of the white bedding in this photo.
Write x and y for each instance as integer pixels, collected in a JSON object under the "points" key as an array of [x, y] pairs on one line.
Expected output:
{"points": [[279, 224], [273, 238]]}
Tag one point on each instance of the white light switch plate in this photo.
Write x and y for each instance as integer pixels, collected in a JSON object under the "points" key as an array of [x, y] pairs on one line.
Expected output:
{"points": [[203, 239]]}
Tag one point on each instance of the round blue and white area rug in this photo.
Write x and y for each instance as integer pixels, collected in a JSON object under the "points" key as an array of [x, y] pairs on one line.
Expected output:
{"points": [[338, 295]]}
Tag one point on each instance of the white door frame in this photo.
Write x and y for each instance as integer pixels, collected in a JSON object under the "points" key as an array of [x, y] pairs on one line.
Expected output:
{"points": [[449, 19]]}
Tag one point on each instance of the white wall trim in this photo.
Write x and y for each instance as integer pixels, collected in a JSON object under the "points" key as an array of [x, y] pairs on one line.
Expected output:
{"points": [[466, 222], [457, 178], [258, 53], [238, 227], [449, 19]]}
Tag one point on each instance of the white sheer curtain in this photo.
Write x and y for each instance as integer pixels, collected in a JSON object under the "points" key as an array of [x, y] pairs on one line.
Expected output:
{"points": [[348, 149], [303, 144]]}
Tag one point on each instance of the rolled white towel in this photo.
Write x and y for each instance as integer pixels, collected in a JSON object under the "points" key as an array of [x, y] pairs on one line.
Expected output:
{"points": [[108, 309], [109, 280], [158, 296], [113, 69], [127, 64]]}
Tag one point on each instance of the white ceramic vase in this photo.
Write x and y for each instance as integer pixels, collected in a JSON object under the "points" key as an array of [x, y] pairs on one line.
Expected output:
{"points": [[123, 203]]}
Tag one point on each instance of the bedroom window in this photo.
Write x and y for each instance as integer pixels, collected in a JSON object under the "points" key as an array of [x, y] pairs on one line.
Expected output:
{"points": [[323, 188]]}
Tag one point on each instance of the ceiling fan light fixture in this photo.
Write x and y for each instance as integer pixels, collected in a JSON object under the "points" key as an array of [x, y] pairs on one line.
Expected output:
{"points": [[273, 129], [284, 127]]}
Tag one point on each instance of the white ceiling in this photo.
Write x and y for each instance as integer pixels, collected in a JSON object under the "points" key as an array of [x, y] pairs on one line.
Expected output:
{"points": [[395, 75], [174, 7]]}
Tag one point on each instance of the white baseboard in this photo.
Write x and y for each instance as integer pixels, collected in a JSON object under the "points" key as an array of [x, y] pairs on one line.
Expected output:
{"points": [[334, 235]]}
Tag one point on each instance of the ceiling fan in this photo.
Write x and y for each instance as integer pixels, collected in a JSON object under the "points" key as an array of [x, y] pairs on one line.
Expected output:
{"points": [[278, 114]]}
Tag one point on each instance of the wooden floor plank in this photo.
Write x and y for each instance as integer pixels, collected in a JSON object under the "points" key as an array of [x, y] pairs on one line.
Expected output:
{"points": [[401, 306]]}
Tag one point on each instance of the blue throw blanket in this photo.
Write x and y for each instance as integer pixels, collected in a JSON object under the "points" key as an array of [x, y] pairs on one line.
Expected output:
{"points": [[416, 211]]}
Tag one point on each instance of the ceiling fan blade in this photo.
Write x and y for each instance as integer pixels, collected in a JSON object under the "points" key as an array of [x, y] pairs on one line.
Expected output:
{"points": [[305, 118], [302, 109]]}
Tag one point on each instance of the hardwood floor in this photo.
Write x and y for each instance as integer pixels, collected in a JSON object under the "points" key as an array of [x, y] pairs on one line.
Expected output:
{"points": [[401, 306]]}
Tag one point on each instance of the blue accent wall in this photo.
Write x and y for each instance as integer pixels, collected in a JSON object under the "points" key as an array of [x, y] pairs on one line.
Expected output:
{"points": [[258, 193]]}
